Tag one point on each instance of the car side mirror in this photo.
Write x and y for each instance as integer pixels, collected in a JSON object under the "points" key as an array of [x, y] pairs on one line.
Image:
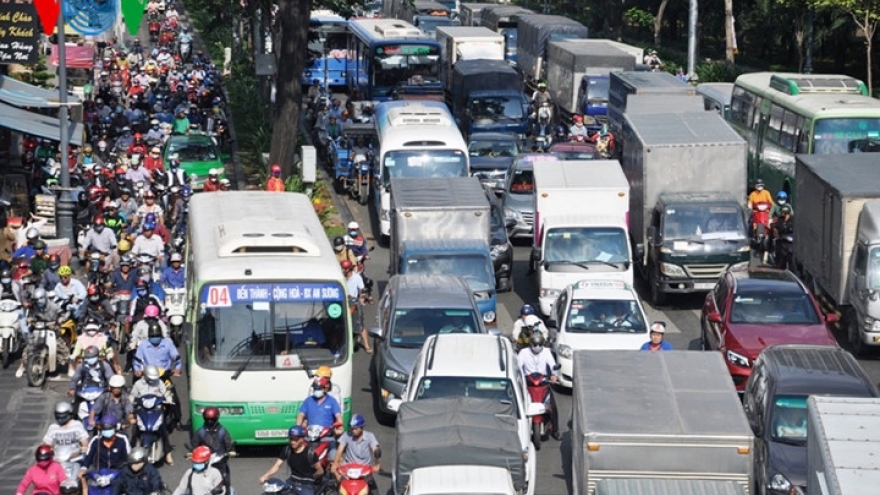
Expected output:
{"points": [[376, 332], [536, 409], [394, 405], [714, 317], [831, 318]]}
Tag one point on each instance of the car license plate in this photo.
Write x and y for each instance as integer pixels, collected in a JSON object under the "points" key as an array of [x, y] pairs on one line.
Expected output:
{"points": [[270, 433], [704, 285]]}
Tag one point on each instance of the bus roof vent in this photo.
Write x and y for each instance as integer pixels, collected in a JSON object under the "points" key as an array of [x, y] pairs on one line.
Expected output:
{"points": [[805, 84], [421, 116], [397, 30], [265, 240]]}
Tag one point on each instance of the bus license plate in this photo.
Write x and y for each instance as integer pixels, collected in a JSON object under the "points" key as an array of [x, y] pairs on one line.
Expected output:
{"points": [[704, 285], [270, 433]]}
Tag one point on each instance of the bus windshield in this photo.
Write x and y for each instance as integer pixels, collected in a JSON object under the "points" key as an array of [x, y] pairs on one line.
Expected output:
{"points": [[268, 326], [473, 268], [424, 164], [846, 135], [398, 63]]}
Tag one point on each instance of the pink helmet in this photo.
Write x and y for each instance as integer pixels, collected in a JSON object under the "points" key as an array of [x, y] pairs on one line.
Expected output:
{"points": [[151, 311]]}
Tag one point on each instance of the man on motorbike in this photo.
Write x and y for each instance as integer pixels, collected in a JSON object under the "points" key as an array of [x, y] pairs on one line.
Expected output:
{"points": [[107, 450], [319, 408], [9, 290], [523, 327], [759, 195], [176, 176], [538, 359], [137, 146], [213, 182], [98, 239], [213, 435], [359, 447], [114, 401], [578, 131], [149, 243], [48, 312], [357, 295], [201, 479], [45, 476], [540, 96], [174, 276], [72, 290], [66, 435], [128, 206], [93, 372], [305, 469], [343, 252], [158, 351], [138, 477], [114, 220]]}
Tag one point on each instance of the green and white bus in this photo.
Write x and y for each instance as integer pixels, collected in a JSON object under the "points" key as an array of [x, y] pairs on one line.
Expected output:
{"points": [[267, 307], [781, 114]]}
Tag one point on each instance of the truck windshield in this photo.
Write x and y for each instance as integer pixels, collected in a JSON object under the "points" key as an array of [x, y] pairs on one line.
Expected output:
{"points": [[429, 24], [768, 308], [788, 421], [492, 149], [439, 387], [412, 326], [846, 135], [255, 334], [873, 278], [475, 269], [597, 90], [586, 245], [604, 316], [702, 223], [424, 164], [491, 109]]}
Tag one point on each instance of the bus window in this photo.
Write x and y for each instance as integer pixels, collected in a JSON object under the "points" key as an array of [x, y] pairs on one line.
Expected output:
{"points": [[791, 125], [774, 125]]}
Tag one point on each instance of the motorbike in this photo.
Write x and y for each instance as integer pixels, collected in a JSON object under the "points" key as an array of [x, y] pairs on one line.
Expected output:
{"points": [[354, 478], [525, 335], [100, 482], [277, 486], [343, 167], [175, 310], [10, 329], [87, 397], [760, 225], [185, 48], [154, 26], [96, 275], [606, 146], [538, 385], [43, 355], [150, 421], [319, 438], [363, 168], [784, 250]]}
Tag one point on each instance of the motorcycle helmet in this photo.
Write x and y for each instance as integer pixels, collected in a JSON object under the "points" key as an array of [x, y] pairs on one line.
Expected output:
{"points": [[759, 184], [536, 342], [91, 352], [94, 293], [785, 209], [542, 85], [151, 373], [39, 244], [346, 265], [781, 196], [578, 119], [296, 431], [154, 330], [137, 455], [116, 381], [210, 415], [32, 233], [44, 453], [141, 288], [65, 271], [63, 412], [357, 421], [276, 169], [6, 276], [40, 297], [151, 311], [176, 258], [124, 246], [109, 421], [201, 454], [149, 226], [92, 329], [324, 371], [338, 243], [527, 309]]}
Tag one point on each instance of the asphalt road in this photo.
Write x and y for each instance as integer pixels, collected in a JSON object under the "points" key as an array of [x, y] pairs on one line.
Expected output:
{"points": [[27, 413]]}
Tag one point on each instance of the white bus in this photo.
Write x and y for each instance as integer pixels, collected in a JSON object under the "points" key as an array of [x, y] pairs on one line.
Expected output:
{"points": [[268, 306], [417, 139]]}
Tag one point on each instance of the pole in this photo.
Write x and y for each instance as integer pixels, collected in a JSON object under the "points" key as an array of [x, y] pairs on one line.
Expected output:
{"points": [[64, 209], [692, 38], [808, 59]]}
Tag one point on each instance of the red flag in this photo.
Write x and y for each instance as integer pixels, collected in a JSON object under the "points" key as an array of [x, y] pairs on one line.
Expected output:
{"points": [[48, 10]]}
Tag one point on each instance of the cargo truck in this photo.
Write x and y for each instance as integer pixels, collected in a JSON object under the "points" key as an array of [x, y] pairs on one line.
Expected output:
{"points": [[664, 104], [486, 96], [624, 84], [466, 43], [471, 14], [843, 445], [427, 15], [504, 19], [837, 239], [579, 203], [687, 217], [651, 415], [534, 33], [666, 487], [442, 226], [578, 75]]}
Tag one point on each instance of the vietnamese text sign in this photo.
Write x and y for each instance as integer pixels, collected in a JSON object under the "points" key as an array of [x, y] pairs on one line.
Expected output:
{"points": [[19, 32]]}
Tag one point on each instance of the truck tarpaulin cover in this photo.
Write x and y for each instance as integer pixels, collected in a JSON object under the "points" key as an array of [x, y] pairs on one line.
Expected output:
{"points": [[480, 75], [537, 29], [453, 431]]}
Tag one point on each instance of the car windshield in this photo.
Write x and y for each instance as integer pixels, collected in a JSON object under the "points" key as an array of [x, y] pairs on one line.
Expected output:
{"points": [[193, 152], [788, 420], [522, 182], [425, 164], [492, 149], [605, 316], [702, 223], [495, 109], [586, 245], [767, 308], [286, 332], [412, 327], [837, 136], [439, 387], [474, 269]]}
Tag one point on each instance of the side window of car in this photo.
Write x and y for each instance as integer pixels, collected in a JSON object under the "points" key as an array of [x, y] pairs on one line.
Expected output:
{"points": [[385, 314], [720, 295], [860, 259]]}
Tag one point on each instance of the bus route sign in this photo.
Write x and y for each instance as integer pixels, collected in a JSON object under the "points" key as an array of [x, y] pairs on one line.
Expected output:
{"points": [[224, 296]]}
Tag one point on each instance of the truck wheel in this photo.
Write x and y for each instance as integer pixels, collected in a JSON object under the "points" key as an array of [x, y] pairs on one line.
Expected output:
{"points": [[658, 297], [858, 346]]}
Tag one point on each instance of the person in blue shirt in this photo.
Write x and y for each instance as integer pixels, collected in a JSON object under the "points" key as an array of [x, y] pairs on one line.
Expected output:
{"points": [[27, 251], [157, 351], [310, 335], [174, 276], [320, 408], [658, 330]]}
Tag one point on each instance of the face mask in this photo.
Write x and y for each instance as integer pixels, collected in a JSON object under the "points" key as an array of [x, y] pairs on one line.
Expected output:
{"points": [[353, 233], [155, 340], [91, 361], [338, 249], [317, 393], [137, 466], [99, 228], [108, 433], [536, 349], [5, 281], [198, 466], [781, 201], [44, 464], [760, 188]]}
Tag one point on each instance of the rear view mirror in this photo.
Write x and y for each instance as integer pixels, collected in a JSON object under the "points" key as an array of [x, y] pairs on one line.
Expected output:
{"points": [[376, 332], [509, 223], [651, 233]]}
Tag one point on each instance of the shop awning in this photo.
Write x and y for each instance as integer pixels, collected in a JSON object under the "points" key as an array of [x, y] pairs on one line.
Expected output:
{"points": [[38, 125], [22, 94]]}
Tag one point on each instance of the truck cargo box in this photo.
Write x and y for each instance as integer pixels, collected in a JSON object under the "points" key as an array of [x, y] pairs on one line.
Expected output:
{"points": [[624, 84], [664, 104], [534, 32], [668, 487], [569, 61]]}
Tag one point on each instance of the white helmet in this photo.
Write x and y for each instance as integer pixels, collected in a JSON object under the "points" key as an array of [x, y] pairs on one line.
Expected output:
{"points": [[353, 226], [117, 381]]}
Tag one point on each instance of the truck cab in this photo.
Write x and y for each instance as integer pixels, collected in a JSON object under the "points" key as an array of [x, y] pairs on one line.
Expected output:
{"points": [[496, 111], [864, 281], [692, 238], [592, 98]]}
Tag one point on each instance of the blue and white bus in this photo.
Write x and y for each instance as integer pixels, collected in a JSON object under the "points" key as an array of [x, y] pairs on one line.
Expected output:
{"points": [[391, 58], [328, 50]]}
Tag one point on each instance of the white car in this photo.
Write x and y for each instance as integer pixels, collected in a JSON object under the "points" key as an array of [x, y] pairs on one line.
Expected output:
{"points": [[478, 365], [597, 315]]}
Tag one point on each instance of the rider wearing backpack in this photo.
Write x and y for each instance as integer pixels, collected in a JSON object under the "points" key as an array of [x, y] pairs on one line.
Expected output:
{"points": [[213, 435]]}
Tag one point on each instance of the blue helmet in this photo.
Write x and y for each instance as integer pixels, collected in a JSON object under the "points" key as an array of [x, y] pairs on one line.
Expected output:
{"points": [[357, 421], [782, 195], [149, 225], [109, 421], [527, 309], [296, 431]]}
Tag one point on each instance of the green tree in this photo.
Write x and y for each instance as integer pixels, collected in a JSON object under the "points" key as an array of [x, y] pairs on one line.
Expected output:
{"points": [[866, 15]]}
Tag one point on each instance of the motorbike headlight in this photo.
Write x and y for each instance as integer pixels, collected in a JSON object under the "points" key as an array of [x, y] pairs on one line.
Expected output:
{"points": [[671, 270], [395, 375], [564, 351], [737, 359], [779, 483]]}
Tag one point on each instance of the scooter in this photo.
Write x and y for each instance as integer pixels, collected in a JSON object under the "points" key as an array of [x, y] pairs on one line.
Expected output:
{"points": [[363, 168], [354, 478], [784, 249], [10, 328], [87, 397], [319, 446], [43, 356], [101, 481], [760, 225], [150, 421], [175, 310], [538, 385]]}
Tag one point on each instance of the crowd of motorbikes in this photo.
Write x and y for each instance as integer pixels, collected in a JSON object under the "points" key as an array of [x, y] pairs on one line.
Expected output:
{"points": [[772, 234]]}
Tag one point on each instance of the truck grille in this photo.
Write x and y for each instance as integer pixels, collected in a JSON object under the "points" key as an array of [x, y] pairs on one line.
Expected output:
{"points": [[529, 218], [705, 271]]}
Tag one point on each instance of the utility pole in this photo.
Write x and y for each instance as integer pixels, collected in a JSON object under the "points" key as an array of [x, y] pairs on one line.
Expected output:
{"points": [[66, 205], [692, 38]]}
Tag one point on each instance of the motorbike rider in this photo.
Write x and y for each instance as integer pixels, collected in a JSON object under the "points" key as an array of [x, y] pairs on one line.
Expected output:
{"points": [[776, 211], [658, 331], [527, 321], [45, 475], [784, 226], [114, 401], [71, 289], [26, 250], [540, 96], [92, 372], [185, 39], [578, 131], [213, 435], [107, 450], [138, 477], [146, 293], [213, 182], [175, 176], [9, 290], [343, 252], [114, 220], [98, 238], [93, 336], [48, 312], [358, 446], [305, 469], [152, 384], [319, 408], [357, 294], [158, 351], [150, 206], [128, 206], [326, 372], [275, 183], [538, 359], [174, 275], [123, 280], [201, 479], [98, 310], [67, 435], [141, 330], [759, 195], [149, 243], [40, 261], [138, 146], [652, 60]]}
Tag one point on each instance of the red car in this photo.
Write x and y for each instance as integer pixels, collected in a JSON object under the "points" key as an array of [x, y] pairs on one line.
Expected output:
{"points": [[572, 150], [755, 308]]}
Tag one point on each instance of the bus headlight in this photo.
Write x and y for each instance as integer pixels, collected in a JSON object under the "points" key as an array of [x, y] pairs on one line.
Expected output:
{"points": [[489, 316], [224, 410]]}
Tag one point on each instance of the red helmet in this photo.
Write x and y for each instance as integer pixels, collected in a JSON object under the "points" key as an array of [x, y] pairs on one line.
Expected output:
{"points": [[578, 119], [276, 169], [120, 171], [99, 220], [201, 454], [138, 136], [211, 413], [93, 290], [322, 382], [346, 265], [44, 453]]}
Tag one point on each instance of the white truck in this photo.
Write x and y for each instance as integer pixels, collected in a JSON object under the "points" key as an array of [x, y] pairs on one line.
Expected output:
{"points": [[843, 445], [837, 238], [466, 43], [460, 480], [661, 415], [581, 214]]}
